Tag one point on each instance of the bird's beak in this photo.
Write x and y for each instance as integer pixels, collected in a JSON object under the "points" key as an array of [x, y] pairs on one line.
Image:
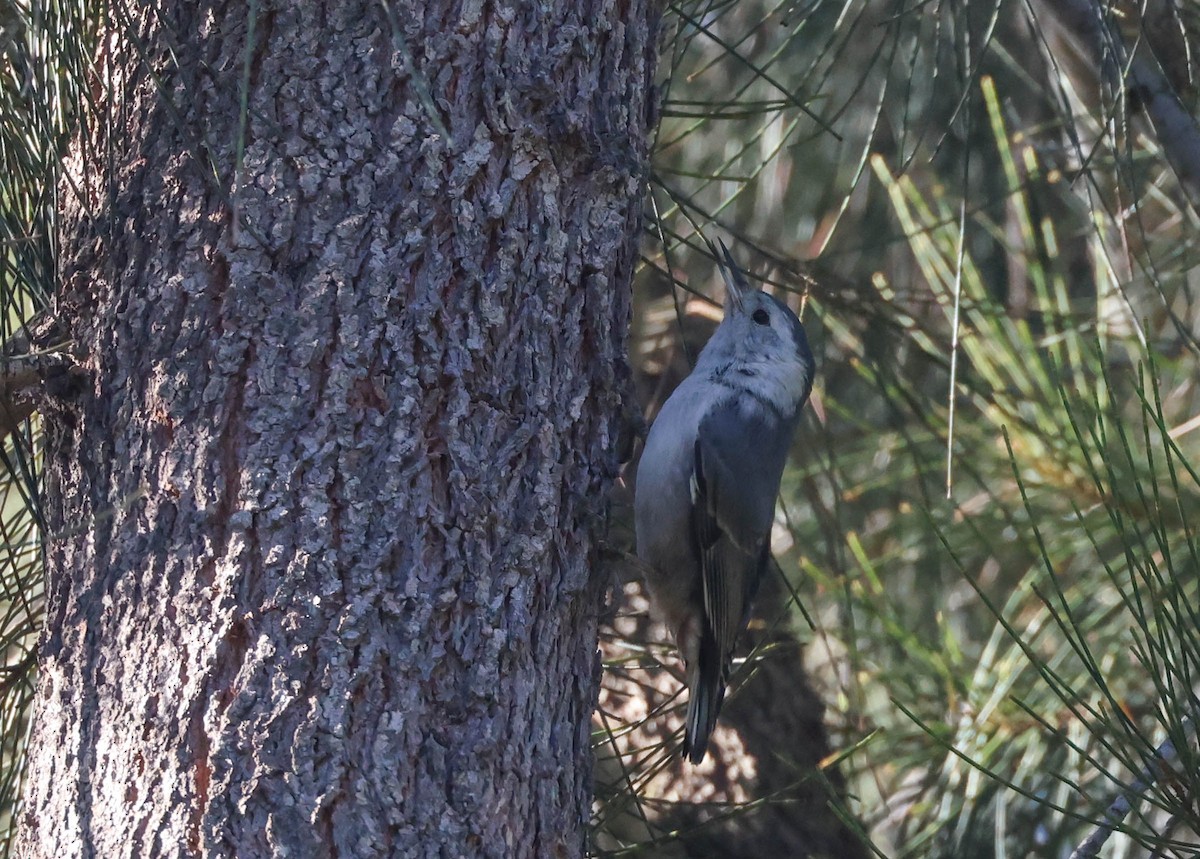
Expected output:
{"points": [[736, 286]]}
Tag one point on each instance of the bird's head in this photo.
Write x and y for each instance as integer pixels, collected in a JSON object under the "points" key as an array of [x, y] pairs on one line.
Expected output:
{"points": [[760, 344]]}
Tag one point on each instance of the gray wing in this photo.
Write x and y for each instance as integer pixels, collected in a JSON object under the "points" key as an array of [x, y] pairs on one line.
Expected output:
{"points": [[739, 457]]}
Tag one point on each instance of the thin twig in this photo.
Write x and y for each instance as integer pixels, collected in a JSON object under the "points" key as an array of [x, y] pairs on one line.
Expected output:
{"points": [[954, 329]]}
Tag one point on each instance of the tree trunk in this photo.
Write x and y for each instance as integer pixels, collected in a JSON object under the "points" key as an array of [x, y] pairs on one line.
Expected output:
{"points": [[322, 521]]}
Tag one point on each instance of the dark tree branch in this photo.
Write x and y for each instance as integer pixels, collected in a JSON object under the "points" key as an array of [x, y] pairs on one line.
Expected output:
{"points": [[31, 368], [1177, 131], [1164, 756]]}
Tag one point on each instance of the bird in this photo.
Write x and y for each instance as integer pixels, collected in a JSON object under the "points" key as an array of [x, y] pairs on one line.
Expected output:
{"points": [[707, 482]]}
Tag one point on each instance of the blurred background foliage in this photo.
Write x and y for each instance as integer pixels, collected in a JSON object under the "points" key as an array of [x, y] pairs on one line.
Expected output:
{"points": [[989, 516], [988, 219]]}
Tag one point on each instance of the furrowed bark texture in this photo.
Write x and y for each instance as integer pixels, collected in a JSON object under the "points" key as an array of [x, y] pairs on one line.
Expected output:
{"points": [[322, 521]]}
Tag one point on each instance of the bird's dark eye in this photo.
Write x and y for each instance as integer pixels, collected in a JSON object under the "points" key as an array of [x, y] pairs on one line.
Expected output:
{"points": [[761, 317]]}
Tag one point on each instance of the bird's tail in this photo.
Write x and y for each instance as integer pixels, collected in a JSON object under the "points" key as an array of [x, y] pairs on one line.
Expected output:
{"points": [[706, 691]]}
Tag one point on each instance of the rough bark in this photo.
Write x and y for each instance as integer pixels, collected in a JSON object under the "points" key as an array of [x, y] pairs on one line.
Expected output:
{"points": [[322, 520]]}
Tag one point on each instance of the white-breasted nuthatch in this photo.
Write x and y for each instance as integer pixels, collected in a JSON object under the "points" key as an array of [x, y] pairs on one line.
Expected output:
{"points": [[707, 483]]}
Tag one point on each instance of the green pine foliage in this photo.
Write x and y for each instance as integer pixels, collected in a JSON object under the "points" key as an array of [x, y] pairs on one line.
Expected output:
{"points": [[991, 522]]}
